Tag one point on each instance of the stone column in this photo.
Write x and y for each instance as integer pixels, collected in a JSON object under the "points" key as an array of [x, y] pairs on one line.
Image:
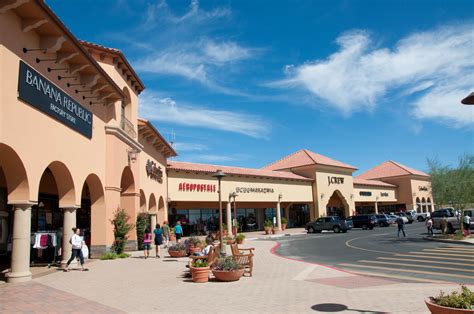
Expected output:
{"points": [[228, 213], [69, 222], [21, 241], [376, 208], [278, 212]]}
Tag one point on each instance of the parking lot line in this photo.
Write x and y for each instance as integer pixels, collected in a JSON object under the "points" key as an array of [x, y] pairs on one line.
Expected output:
{"points": [[458, 248], [438, 254], [399, 277], [424, 261], [436, 257], [418, 266], [407, 271], [450, 251]]}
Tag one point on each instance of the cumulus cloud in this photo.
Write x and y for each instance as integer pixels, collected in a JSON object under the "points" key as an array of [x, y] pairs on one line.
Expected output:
{"points": [[189, 147], [156, 108], [434, 67]]}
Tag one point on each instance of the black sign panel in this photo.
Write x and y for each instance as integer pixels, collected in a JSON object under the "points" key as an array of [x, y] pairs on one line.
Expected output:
{"points": [[45, 96]]}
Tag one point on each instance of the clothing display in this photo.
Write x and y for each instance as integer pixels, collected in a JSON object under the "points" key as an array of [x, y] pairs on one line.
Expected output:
{"points": [[43, 240]]}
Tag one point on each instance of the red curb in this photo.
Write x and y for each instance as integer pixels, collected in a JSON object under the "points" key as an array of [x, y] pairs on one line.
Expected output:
{"points": [[277, 245]]}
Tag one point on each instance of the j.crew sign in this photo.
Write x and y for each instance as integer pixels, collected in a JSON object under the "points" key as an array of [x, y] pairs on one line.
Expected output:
{"points": [[39, 92], [335, 180]]}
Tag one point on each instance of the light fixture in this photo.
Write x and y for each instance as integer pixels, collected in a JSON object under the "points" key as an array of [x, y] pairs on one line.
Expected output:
{"points": [[219, 175], [280, 196], [132, 154], [322, 195], [41, 205]]}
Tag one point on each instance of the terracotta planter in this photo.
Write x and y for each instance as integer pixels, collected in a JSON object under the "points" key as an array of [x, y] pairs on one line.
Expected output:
{"points": [[240, 241], [234, 230], [283, 226], [438, 309], [274, 231], [223, 275], [177, 253], [267, 230], [229, 242], [200, 274]]}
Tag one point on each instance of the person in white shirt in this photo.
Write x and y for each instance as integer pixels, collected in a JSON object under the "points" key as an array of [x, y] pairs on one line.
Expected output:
{"points": [[467, 223], [77, 242]]}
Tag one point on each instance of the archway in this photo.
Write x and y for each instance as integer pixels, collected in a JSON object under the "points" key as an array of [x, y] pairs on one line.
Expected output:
{"points": [[337, 205], [127, 195], [152, 204], [143, 208], [430, 204], [423, 205], [418, 205], [161, 210], [91, 216]]}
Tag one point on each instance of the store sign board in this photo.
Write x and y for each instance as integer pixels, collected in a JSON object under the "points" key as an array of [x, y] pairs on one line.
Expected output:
{"points": [[39, 92], [153, 172], [243, 190], [423, 188], [335, 180], [193, 187], [384, 194]]}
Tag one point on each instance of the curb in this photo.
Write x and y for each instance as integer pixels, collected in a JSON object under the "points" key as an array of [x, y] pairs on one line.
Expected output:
{"points": [[448, 241], [276, 236]]}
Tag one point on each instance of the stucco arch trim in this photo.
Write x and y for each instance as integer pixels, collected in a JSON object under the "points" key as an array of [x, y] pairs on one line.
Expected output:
{"points": [[18, 186], [64, 184]]}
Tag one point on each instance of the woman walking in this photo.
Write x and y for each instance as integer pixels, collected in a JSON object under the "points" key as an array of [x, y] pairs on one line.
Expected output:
{"points": [[429, 226], [158, 232], [77, 242], [166, 233], [147, 242]]}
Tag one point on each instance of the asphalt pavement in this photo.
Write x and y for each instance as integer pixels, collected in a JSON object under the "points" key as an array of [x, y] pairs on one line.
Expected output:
{"points": [[381, 253]]}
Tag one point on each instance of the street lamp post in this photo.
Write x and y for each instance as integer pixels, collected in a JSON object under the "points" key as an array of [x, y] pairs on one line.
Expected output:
{"points": [[219, 175], [234, 195]]}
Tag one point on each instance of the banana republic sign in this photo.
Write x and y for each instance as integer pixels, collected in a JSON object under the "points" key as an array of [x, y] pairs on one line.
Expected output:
{"points": [[39, 92]]}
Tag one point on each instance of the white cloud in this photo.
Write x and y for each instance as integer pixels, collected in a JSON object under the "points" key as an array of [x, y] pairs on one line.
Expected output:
{"points": [[226, 51], [154, 107], [433, 64], [189, 147], [214, 158]]}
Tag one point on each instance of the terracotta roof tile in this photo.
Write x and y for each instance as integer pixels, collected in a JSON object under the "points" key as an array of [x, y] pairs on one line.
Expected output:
{"points": [[390, 169], [304, 158], [188, 166], [372, 182]]}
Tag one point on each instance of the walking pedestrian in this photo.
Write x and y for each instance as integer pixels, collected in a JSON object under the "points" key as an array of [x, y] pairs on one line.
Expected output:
{"points": [[77, 242], [158, 232], [467, 224], [166, 233], [429, 226], [178, 231], [401, 226], [147, 242]]}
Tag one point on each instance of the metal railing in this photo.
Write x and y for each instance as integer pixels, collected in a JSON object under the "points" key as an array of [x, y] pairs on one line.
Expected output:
{"points": [[128, 127]]}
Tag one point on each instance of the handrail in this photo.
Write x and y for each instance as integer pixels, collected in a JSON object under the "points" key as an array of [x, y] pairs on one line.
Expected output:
{"points": [[128, 127]]}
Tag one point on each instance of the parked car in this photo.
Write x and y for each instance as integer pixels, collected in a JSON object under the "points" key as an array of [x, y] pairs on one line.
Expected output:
{"points": [[393, 218], [452, 219], [383, 220], [396, 216], [363, 221], [420, 217], [334, 223], [409, 216]]}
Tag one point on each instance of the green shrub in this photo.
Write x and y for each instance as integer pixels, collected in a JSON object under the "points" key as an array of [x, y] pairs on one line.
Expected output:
{"points": [[268, 223], [121, 229], [123, 255], [108, 255], [463, 299], [284, 221], [226, 264], [240, 237], [142, 220], [177, 247], [200, 263]]}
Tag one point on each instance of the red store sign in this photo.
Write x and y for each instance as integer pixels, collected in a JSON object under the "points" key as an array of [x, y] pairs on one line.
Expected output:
{"points": [[193, 187]]}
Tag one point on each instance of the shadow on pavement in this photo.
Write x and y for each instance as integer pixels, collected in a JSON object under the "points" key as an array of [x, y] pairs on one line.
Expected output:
{"points": [[334, 307]]}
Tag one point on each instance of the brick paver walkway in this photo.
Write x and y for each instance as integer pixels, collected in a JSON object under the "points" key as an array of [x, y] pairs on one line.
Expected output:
{"points": [[279, 285]]}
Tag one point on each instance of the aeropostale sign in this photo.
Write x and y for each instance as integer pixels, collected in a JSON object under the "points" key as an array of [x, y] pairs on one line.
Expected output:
{"points": [[39, 92], [193, 187]]}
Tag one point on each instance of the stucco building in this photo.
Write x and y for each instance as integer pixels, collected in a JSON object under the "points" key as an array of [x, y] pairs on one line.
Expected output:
{"points": [[73, 149]]}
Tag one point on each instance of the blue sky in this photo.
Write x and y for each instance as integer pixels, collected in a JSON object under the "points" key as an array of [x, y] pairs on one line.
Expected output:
{"points": [[247, 82]]}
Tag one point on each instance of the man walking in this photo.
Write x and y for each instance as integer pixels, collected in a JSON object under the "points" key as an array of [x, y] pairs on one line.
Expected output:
{"points": [[467, 224], [429, 226], [401, 226]]}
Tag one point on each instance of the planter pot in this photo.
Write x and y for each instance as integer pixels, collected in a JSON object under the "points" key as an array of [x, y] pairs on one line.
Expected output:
{"points": [[234, 230], [267, 230], [194, 250], [223, 275], [229, 242], [177, 253], [283, 226], [438, 309], [200, 274], [274, 231], [240, 241]]}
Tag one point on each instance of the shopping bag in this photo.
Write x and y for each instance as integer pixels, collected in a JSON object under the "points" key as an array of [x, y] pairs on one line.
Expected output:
{"points": [[85, 251]]}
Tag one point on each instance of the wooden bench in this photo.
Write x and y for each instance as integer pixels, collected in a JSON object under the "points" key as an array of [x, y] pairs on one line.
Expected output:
{"points": [[244, 257]]}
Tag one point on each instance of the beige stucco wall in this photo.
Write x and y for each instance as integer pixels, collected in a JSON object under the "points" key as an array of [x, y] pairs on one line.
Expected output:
{"points": [[416, 184], [292, 191], [376, 192]]}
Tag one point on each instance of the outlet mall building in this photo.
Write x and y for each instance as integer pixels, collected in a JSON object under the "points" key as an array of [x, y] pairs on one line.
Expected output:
{"points": [[73, 150]]}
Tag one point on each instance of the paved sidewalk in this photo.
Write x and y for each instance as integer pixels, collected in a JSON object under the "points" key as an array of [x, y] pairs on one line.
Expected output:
{"points": [[279, 285]]}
